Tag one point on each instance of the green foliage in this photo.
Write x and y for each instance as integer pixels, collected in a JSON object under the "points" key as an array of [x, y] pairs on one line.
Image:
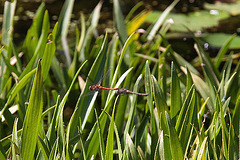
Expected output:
{"points": [[185, 115]]}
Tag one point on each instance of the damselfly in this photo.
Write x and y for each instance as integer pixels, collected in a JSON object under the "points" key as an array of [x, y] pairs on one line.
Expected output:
{"points": [[124, 91]]}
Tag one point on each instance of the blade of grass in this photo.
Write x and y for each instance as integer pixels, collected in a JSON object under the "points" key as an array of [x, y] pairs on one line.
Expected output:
{"points": [[83, 31], [203, 89], [49, 52], [132, 108], [101, 141], [139, 4], [207, 66], [119, 22], [137, 21], [43, 147], [202, 151], [109, 146], [188, 119], [179, 60], [15, 141], [236, 117], [64, 18], [161, 20], [176, 101], [9, 66], [63, 102], [180, 121], [68, 130], [86, 37], [131, 150], [223, 51], [34, 33], [33, 116], [88, 101], [7, 26], [189, 81], [123, 52], [175, 145], [16, 89], [232, 146], [48, 56], [119, 150], [54, 150], [40, 46]]}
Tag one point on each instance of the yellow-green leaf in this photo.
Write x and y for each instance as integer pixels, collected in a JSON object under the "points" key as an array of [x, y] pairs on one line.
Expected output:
{"points": [[33, 116]]}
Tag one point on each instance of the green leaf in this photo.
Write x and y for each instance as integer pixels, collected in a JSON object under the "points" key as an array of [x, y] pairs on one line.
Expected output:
{"points": [[203, 89], [120, 155], [44, 148], [64, 18], [223, 50], [40, 46], [2, 155], [86, 37], [160, 20], [133, 107], [33, 116], [122, 55], [189, 81], [232, 145], [9, 66], [159, 99], [109, 146], [16, 89], [188, 118], [54, 151], [131, 150], [184, 110], [175, 145], [7, 26], [119, 22], [64, 100], [15, 141], [176, 101], [134, 9], [236, 116], [47, 57], [101, 140], [148, 86], [203, 148]]}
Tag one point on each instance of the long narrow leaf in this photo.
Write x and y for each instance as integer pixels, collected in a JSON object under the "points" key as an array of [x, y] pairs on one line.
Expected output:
{"points": [[7, 26], [16, 89], [33, 116], [175, 145], [223, 51], [109, 146], [175, 93], [160, 20]]}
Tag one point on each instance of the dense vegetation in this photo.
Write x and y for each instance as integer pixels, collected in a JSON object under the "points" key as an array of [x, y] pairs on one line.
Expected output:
{"points": [[191, 111]]}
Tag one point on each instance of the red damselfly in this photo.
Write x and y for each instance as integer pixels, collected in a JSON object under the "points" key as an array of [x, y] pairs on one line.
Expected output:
{"points": [[120, 91]]}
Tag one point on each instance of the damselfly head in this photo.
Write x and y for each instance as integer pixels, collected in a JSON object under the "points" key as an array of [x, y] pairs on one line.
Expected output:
{"points": [[90, 88]]}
